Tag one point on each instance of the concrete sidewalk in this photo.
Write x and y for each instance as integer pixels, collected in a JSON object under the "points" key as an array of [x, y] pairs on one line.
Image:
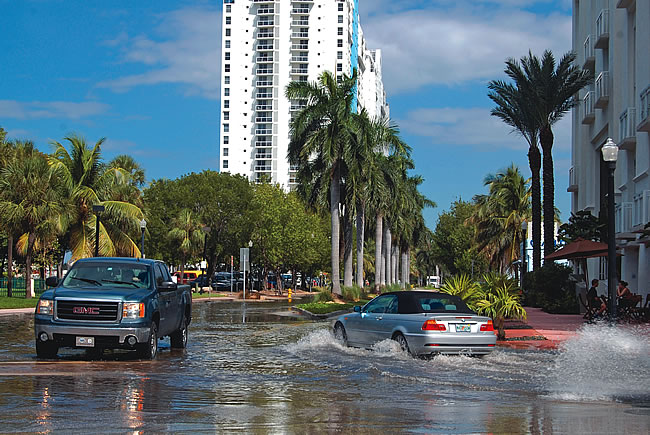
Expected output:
{"points": [[546, 331]]}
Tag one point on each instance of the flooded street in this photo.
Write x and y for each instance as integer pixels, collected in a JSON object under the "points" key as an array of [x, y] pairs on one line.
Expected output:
{"points": [[256, 368]]}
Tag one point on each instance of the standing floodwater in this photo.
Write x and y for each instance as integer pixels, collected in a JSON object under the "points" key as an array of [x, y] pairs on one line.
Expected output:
{"points": [[259, 368]]}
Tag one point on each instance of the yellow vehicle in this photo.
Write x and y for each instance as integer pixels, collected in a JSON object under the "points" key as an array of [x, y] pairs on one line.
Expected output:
{"points": [[188, 275]]}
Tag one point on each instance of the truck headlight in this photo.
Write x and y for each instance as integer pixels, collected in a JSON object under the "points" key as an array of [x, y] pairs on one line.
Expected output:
{"points": [[132, 310], [45, 307]]}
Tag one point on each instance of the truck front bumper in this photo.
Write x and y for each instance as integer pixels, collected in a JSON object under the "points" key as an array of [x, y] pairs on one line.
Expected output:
{"points": [[105, 335]]}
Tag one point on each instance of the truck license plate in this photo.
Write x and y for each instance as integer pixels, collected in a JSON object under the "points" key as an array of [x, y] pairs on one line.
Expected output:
{"points": [[86, 341], [463, 328]]}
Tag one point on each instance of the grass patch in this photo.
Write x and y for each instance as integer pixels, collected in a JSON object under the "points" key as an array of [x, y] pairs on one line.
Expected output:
{"points": [[209, 295], [326, 308], [7, 303]]}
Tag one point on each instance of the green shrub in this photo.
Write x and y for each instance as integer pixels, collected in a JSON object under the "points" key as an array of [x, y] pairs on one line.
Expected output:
{"points": [[352, 293], [549, 288], [463, 287], [324, 295]]}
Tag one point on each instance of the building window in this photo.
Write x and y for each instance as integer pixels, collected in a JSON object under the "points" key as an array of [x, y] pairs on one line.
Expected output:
{"points": [[340, 31], [227, 32], [340, 19], [225, 152], [228, 8], [227, 55], [339, 67], [226, 104], [227, 67], [226, 116], [226, 140], [225, 164], [227, 43], [226, 79], [228, 20], [226, 92], [339, 43], [340, 7], [226, 128], [339, 55]]}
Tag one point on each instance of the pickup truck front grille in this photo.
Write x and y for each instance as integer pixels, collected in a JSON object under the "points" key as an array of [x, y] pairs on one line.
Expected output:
{"points": [[94, 311]]}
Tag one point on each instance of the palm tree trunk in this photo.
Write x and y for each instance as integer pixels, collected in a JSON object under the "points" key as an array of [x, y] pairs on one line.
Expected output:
{"points": [[347, 252], [335, 196], [534, 160], [389, 254], [379, 220], [361, 212], [546, 141], [10, 263], [28, 266], [404, 268]]}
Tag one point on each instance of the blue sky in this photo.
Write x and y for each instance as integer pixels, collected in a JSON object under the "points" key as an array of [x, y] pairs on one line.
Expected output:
{"points": [[145, 75]]}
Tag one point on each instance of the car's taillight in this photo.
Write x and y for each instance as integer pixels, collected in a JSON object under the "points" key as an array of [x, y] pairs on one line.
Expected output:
{"points": [[489, 326], [432, 325]]}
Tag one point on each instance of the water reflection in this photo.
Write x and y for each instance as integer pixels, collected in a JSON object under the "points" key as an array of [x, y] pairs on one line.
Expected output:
{"points": [[254, 368]]}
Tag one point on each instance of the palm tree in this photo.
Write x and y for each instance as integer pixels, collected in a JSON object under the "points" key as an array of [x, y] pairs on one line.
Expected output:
{"points": [[515, 107], [555, 94], [187, 231], [131, 191], [501, 301], [321, 133], [499, 216], [34, 203], [89, 183]]}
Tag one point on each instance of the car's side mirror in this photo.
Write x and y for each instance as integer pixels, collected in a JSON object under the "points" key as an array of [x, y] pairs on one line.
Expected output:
{"points": [[167, 286], [52, 281], [357, 309]]}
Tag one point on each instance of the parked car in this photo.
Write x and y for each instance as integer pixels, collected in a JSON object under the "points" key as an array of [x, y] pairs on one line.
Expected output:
{"points": [[188, 275], [103, 302], [225, 281], [422, 322], [203, 281]]}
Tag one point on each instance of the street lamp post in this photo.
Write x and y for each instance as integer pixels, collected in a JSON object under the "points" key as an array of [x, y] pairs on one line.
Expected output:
{"points": [[97, 209], [250, 261], [204, 263], [610, 153], [524, 266], [143, 226]]}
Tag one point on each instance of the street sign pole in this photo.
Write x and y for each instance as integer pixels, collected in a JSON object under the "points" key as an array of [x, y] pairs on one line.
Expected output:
{"points": [[232, 270], [243, 260]]}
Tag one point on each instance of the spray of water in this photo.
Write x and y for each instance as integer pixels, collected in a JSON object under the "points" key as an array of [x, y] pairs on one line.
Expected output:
{"points": [[602, 362]]}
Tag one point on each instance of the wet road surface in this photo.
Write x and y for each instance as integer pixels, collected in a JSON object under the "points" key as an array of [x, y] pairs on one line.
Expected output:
{"points": [[257, 368]]}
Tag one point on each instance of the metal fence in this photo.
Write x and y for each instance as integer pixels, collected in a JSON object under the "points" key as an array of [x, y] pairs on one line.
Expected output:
{"points": [[18, 287]]}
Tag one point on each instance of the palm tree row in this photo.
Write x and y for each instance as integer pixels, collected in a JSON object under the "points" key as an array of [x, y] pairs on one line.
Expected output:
{"points": [[540, 94], [47, 198], [356, 167]]}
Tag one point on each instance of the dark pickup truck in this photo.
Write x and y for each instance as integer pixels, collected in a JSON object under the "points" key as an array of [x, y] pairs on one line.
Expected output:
{"points": [[108, 303]]}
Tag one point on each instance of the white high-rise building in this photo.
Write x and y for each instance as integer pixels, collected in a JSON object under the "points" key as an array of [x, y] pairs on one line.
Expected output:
{"points": [[266, 44], [611, 38]]}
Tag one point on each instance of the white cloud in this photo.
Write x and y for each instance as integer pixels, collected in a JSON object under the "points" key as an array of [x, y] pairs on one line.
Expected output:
{"points": [[50, 109], [474, 127], [467, 42], [187, 53]]}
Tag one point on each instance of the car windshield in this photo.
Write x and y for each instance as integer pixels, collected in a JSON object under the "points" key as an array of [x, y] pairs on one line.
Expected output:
{"points": [[441, 304], [127, 276]]}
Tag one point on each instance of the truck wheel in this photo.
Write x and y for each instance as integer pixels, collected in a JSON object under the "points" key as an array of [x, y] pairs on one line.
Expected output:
{"points": [[46, 349], [179, 337], [149, 350]]}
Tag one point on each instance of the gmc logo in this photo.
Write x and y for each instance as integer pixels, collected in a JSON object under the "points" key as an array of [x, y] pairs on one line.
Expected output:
{"points": [[85, 310]]}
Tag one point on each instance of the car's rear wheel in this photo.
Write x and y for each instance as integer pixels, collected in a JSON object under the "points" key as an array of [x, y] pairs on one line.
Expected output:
{"points": [[149, 350], [340, 334], [401, 340], [46, 349], [179, 338]]}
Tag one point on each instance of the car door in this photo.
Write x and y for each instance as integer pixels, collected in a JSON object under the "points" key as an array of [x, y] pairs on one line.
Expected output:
{"points": [[365, 328], [167, 304]]}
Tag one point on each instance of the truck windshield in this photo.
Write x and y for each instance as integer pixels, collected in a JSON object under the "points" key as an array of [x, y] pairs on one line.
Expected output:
{"points": [[107, 274]]}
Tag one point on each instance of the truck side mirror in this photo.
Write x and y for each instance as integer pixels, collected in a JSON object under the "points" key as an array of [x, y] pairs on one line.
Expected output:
{"points": [[167, 286], [52, 281]]}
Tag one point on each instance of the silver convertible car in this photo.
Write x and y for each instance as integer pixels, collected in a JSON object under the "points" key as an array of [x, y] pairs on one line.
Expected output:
{"points": [[422, 322]]}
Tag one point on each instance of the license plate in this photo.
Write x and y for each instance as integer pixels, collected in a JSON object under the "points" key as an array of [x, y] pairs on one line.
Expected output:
{"points": [[463, 328], [85, 341]]}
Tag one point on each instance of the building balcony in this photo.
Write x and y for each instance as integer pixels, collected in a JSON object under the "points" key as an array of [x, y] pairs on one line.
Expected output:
{"points": [[265, 34], [627, 130], [300, 10], [264, 59], [263, 144], [299, 46], [263, 95], [590, 56], [624, 4], [644, 114], [265, 46], [263, 168], [588, 114], [300, 23], [263, 155], [299, 71], [263, 131], [263, 1], [265, 23], [297, 107], [265, 11], [641, 214], [264, 119], [301, 35], [263, 107], [624, 213], [263, 83], [264, 71], [300, 59], [602, 90], [602, 29], [573, 180]]}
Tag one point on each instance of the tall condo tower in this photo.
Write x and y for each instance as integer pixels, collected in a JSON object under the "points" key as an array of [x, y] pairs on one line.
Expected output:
{"points": [[267, 44]]}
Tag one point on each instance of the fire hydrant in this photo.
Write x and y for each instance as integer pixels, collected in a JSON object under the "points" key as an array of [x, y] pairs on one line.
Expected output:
{"points": [[289, 294]]}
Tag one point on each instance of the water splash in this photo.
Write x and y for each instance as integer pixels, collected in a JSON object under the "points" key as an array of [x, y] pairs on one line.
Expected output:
{"points": [[602, 362]]}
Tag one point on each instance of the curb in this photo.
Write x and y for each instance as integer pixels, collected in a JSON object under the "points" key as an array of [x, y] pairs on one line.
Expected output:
{"points": [[326, 316]]}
